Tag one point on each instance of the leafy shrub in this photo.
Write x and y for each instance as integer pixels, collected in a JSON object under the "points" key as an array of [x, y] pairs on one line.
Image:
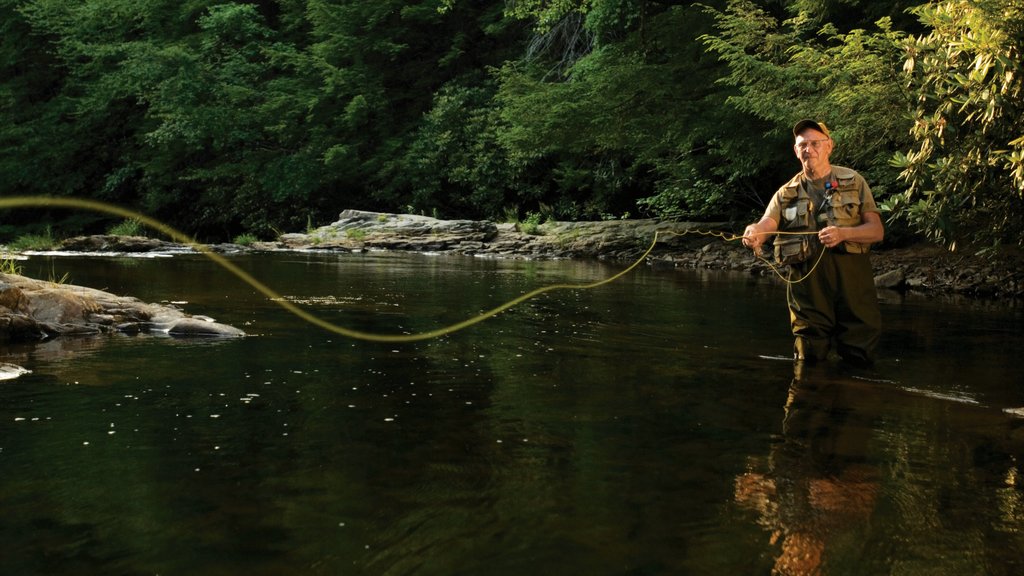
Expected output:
{"points": [[531, 225]]}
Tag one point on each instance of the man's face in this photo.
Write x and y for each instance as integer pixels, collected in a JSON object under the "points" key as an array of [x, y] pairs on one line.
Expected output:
{"points": [[812, 149]]}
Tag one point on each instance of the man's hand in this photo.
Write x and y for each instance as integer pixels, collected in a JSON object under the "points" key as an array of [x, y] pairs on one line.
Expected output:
{"points": [[757, 233], [832, 236], [753, 238]]}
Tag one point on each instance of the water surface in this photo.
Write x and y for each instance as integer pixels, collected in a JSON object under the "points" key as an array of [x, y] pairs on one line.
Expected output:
{"points": [[644, 427]]}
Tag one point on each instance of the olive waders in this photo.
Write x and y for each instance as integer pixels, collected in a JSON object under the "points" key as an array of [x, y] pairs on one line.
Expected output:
{"points": [[838, 298]]}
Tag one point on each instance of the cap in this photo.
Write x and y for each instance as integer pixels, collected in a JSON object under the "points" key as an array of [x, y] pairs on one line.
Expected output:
{"points": [[807, 123]]}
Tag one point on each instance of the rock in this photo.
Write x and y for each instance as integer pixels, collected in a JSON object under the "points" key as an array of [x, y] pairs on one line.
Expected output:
{"points": [[111, 243], [108, 243], [202, 327], [19, 327], [13, 299], [11, 371], [32, 310], [891, 279]]}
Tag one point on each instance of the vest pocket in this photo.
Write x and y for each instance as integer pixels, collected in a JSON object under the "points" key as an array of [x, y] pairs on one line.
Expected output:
{"points": [[846, 208], [792, 249], [796, 215]]}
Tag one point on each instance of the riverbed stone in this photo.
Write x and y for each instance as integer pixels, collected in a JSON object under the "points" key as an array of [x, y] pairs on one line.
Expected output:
{"points": [[197, 326], [892, 279], [32, 310], [11, 371]]}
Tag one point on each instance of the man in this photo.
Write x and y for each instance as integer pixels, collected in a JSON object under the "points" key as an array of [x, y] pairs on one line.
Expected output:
{"points": [[837, 299]]}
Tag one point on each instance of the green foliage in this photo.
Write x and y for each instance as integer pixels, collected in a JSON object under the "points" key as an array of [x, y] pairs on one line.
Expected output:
{"points": [[220, 118], [545, 13], [790, 69], [43, 241], [246, 239], [851, 14], [531, 224], [128, 227], [965, 170], [9, 265], [455, 163], [626, 123]]}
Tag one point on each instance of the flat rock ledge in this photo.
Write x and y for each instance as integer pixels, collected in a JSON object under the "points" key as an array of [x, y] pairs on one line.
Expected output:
{"points": [[357, 230], [34, 310]]}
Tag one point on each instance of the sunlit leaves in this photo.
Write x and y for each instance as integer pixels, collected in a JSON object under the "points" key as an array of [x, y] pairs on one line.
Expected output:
{"points": [[783, 70], [965, 169]]}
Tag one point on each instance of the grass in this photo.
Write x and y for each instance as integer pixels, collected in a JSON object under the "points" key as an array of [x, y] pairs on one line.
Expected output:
{"points": [[511, 214], [129, 227], [9, 266], [62, 280], [44, 241], [246, 239]]}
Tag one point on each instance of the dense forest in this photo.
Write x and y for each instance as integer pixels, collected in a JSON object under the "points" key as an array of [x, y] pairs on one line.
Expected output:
{"points": [[270, 116]]}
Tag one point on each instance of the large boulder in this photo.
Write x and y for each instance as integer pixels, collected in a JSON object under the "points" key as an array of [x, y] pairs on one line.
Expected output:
{"points": [[37, 310], [359, 229]]}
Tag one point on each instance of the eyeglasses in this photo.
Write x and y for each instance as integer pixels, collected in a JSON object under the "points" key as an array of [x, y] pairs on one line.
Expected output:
{"points": [[816, 144]]}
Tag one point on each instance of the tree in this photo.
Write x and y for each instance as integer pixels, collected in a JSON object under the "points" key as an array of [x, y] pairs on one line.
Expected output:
{"points": [[625, 115], [791, 69], [965, 170]]}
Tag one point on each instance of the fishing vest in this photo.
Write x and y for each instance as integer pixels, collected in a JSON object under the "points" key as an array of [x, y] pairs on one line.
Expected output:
{"points": [[799, 214]]}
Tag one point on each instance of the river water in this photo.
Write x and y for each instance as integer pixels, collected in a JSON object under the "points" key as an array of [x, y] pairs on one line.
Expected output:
{"points": [[644, 427]]}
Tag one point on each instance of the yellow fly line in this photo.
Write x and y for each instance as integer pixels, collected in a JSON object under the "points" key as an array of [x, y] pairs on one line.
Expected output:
{"points": [[180, 237], [733, 238]]}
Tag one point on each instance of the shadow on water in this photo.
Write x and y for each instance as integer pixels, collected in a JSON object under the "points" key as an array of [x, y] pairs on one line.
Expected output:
{"points": [[634, 429]]}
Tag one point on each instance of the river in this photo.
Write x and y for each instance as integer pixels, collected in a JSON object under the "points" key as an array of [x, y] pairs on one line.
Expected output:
{"points": [[644, 427]]}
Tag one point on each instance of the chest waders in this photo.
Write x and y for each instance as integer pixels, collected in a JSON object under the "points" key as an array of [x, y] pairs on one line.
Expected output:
{"points": [[838, 299]]}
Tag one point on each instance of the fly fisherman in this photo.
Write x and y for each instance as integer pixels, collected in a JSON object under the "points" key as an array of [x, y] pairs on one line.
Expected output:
{"points": [[837, 300]]}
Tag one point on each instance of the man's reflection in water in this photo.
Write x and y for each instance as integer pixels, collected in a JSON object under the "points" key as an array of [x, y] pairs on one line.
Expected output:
{"points": [[816, 487]]}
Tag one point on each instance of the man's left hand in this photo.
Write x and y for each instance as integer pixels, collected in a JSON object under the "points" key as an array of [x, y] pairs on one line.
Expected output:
{"points": [[831, 236]]}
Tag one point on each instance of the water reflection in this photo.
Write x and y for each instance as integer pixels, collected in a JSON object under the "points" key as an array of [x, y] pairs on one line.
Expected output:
{"points": [[817, 485]]}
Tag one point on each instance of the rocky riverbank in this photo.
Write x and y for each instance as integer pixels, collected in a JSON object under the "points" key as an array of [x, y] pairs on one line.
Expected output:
{"points": [[684, 245]]}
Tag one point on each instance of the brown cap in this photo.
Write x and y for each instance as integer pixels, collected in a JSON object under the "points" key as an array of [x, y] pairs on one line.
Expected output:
{"points": [[807, 123]]}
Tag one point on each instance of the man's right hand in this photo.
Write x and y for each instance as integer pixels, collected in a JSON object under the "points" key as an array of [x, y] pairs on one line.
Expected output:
{"points": [[753, 238], [757, 233]]}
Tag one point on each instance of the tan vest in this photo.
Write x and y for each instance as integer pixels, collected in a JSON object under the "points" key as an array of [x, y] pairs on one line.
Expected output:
{"points": [[842, 206]]}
